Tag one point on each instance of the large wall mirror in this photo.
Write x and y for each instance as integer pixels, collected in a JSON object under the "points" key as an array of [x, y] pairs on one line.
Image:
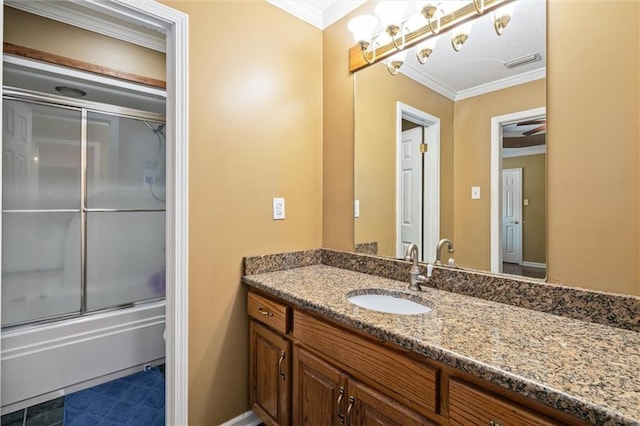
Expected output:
{"points": [[459, 140]]}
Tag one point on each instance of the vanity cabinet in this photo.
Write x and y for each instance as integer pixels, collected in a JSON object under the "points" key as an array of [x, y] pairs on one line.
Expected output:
{"points": [[326, 395], [269, 360], [306, 369]]}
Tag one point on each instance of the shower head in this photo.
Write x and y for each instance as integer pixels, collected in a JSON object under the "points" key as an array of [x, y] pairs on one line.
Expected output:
{"points": [[158, 130]]}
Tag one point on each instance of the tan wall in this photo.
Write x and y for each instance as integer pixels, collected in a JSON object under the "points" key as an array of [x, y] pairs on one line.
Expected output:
{"points": [[534, 227], [593, 134], [377, 93], [337, 138], [472, 166], [255, 133], [35, 32]]}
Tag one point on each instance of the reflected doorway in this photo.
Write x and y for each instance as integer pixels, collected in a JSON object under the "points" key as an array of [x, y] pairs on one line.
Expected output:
{"points": [[417, 181], [518, 207]]}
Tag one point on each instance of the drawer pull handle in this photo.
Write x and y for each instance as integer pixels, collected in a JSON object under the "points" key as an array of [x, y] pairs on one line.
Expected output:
{"points": [[340, 405], [352, 401], [265, 312], [282, 375], [492, 423]]}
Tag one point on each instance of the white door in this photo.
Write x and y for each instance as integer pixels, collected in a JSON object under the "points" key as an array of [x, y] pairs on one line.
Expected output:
{"points": [[18, 157], [512, 216], [410, 190]]}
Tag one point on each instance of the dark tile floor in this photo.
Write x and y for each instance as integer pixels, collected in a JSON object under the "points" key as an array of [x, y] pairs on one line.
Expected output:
{"points": [[50, 413]]}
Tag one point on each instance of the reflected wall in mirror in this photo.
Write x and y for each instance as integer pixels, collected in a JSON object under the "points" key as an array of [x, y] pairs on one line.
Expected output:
{"points": [[464, 91]]}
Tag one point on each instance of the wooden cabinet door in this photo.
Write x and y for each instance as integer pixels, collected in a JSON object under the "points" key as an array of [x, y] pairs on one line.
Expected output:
{"points": [[469, 406], [319, 391], [270, 367], [367, 407]]}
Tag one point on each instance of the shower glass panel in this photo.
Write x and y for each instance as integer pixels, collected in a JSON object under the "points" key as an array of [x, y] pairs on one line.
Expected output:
{"points": [[40, 266], [41, 238], [125, 258], [125, 210], [83, 210], [40, 156], [125, 168]]}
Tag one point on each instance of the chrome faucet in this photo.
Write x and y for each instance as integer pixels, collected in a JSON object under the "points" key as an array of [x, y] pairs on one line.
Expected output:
{"points": [[416, 278], [441, 243]]}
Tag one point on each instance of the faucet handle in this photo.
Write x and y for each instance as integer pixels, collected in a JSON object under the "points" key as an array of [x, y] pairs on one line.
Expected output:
{"points": [[429, 270]]}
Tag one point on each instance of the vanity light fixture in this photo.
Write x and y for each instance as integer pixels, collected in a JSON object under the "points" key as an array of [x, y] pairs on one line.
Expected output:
{"points": [[395, 62], [502, 17], [459, 35], [362, 28], [391, 15], [424, 50], [398, 32]]}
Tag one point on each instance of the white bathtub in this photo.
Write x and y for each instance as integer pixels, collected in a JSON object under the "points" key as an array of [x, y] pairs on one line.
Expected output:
{"points": [[43, 362]]}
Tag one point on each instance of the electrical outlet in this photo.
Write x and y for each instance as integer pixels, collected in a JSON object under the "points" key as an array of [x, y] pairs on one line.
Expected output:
{"points": [[475, 192], [278, 208], [356, 209]]}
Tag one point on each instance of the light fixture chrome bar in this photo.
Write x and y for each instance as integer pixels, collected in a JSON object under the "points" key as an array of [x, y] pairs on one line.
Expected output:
{"points": [[523, 60], [83, 213], [458, 17]]}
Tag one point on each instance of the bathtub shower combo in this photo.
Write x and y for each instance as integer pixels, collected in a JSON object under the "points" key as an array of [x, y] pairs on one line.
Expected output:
{"points": [[83, 244]]}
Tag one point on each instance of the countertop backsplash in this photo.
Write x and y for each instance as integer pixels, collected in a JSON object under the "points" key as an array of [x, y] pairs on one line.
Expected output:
{"points": [[614, 310]]}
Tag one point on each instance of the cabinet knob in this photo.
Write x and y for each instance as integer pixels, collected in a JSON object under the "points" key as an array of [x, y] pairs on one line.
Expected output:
{"points": [[282, 375]]}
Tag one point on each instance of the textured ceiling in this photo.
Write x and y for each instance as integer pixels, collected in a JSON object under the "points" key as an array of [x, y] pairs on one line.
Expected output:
{"points": [[479, 66]]}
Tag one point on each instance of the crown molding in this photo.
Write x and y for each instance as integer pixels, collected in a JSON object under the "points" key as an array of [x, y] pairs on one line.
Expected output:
{"points": [[339, 10], [493, 86], [300, 9], [314, 16], [59, 11], [414, 73]]}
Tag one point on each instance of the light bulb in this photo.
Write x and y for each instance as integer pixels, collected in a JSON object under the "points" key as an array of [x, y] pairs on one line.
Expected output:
{"points": [[362, 27]]}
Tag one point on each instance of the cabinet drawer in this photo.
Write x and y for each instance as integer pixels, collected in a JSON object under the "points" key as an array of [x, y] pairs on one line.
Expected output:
{"points": [[469, 405], [269, 312]]}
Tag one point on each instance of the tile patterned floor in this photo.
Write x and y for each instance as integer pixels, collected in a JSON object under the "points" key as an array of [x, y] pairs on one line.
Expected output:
{"points": [[50, 413]]}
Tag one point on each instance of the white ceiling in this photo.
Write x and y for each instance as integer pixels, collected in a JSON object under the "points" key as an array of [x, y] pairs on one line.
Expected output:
{"points": [[479, 66]]}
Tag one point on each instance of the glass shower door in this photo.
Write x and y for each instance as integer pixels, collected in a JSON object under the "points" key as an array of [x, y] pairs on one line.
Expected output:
{"points": [[125, 211], [41, 238]]}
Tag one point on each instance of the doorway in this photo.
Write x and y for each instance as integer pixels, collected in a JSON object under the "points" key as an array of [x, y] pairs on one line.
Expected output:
{"points": [[172, 25], [417, 181], [518, 193]]}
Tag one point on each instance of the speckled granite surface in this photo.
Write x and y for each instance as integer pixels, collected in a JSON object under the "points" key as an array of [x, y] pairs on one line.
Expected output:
{"points": [[367, 248], [603, 308], [589, 370]]}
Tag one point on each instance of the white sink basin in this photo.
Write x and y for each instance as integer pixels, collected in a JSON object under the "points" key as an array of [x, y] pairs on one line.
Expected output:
{"points": [[388, 304]]}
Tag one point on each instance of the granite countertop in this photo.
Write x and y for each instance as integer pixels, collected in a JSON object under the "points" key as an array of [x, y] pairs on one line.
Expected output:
{"points": [[586, 369]]}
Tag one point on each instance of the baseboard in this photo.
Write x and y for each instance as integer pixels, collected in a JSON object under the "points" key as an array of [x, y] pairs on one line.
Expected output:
{"points": [[245, 419], [534, 264]]}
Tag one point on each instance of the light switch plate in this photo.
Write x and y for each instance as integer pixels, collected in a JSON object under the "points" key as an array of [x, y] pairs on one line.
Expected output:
{"points": [[278, 208], [475, 192], [356, 209], [526, 201]]}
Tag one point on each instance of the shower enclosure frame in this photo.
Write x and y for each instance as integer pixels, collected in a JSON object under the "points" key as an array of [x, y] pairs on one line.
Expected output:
{"points": [[174, 25], [84, 108]]}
